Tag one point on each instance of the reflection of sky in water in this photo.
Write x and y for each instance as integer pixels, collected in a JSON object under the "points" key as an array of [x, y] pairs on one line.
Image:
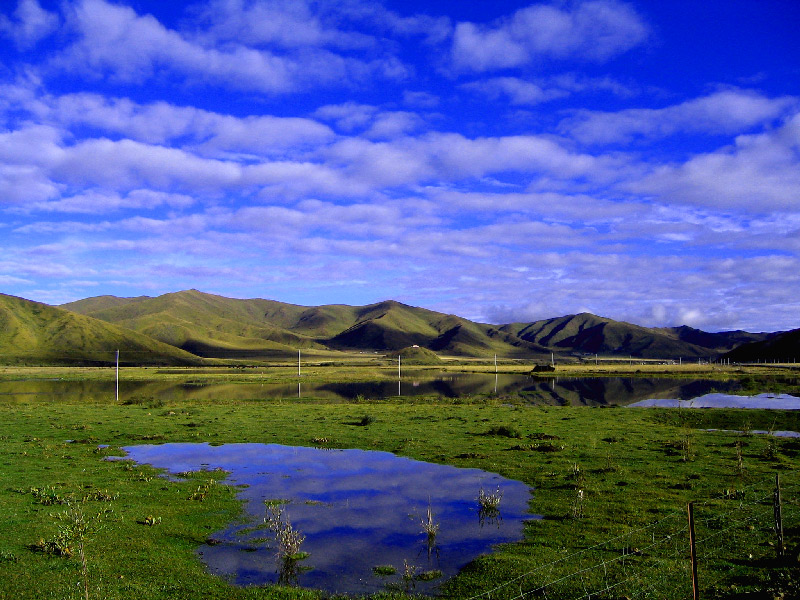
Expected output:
{"points": [[763, 401], [357, 509]]}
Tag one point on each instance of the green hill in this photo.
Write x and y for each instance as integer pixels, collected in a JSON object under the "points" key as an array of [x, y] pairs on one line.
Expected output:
{"points": [[205, 324], [590, 334], [414, 355], [392, 325], [216, 327], [35, 333]]}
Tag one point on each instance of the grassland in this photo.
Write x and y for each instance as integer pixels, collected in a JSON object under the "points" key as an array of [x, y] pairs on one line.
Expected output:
{"points": [[632, 467]]}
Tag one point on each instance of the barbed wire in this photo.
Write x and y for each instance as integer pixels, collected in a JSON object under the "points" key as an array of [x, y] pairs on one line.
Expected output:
{"points": [[661, 568]]}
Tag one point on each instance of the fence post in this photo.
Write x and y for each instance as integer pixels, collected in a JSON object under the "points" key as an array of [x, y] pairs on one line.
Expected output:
{"points": [[693, 553], [778, 514]]}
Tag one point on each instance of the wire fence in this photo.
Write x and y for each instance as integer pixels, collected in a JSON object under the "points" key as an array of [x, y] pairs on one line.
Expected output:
{"points": [[738, 546]]}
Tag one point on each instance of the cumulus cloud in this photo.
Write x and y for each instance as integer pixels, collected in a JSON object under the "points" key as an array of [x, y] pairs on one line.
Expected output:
{"points": [[164, 123], [648, 290], [128, 164], [593, 30], [29, 24], [283, 23], [348, 116], [759, 173], [531, 92], [724, 112], [518, 91], [115, 41], [103, 201]]}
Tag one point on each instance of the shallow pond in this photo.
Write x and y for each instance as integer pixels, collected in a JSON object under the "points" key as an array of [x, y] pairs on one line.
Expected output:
{"points": [[762, 401], [357, 510], [575, 391]]}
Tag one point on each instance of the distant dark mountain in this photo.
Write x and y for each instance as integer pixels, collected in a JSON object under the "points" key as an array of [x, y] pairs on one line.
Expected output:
{"points": [[35, 333], [780, 347], [720, 342], [590, 334]]}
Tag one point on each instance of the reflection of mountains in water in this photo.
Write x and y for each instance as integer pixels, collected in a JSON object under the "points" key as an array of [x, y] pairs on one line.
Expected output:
{"points": [[578, 391], [600, 391]]}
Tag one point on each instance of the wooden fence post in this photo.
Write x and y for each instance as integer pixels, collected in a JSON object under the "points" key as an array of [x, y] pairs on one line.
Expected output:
{"points": [[693, 553], [778, 514]]}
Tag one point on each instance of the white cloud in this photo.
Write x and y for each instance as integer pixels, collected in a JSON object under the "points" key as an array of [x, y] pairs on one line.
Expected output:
{"points": [[126, 164], [724, 112], [22, 184], [30, 24], [546, 205], [420, 99], [760, 173], [518, 91], [371, 120], [283, 23], [102, 201], [391, 125], [594, 30], [162, 123], [348, 116], [115, 41]]}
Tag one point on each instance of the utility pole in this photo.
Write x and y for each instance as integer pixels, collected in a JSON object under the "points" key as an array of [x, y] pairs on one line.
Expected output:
{"points": [[398, 375], [298, 362], [117, 393]]}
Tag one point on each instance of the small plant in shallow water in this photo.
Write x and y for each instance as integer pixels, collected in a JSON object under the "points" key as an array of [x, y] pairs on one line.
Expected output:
{"points": [[429, 525], [409, 574], [287, 537], [429, 575], [384, 570], [489, 506], [489, 500]]}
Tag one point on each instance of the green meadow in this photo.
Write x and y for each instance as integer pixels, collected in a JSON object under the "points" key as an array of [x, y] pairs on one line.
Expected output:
{"points": [[77, 525]]}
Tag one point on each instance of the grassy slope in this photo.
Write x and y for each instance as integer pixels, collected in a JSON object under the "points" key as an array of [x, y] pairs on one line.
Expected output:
{"points": [[33, 332], [211, 325], [205, 324]]}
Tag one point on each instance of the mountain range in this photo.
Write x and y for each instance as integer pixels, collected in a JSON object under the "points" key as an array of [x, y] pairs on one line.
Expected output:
{"points": [[189, 327]]}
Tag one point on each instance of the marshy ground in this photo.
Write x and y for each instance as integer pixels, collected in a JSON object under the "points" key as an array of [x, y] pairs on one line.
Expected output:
{"points": [[599, 473]]}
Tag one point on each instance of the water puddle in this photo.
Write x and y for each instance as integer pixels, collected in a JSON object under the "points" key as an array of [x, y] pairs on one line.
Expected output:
{"points": [[760, 401], [357, 509], [780, 433]]}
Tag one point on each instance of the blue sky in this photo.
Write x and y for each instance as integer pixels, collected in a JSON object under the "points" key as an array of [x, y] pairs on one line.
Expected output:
{"points": [[503, 161]]}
